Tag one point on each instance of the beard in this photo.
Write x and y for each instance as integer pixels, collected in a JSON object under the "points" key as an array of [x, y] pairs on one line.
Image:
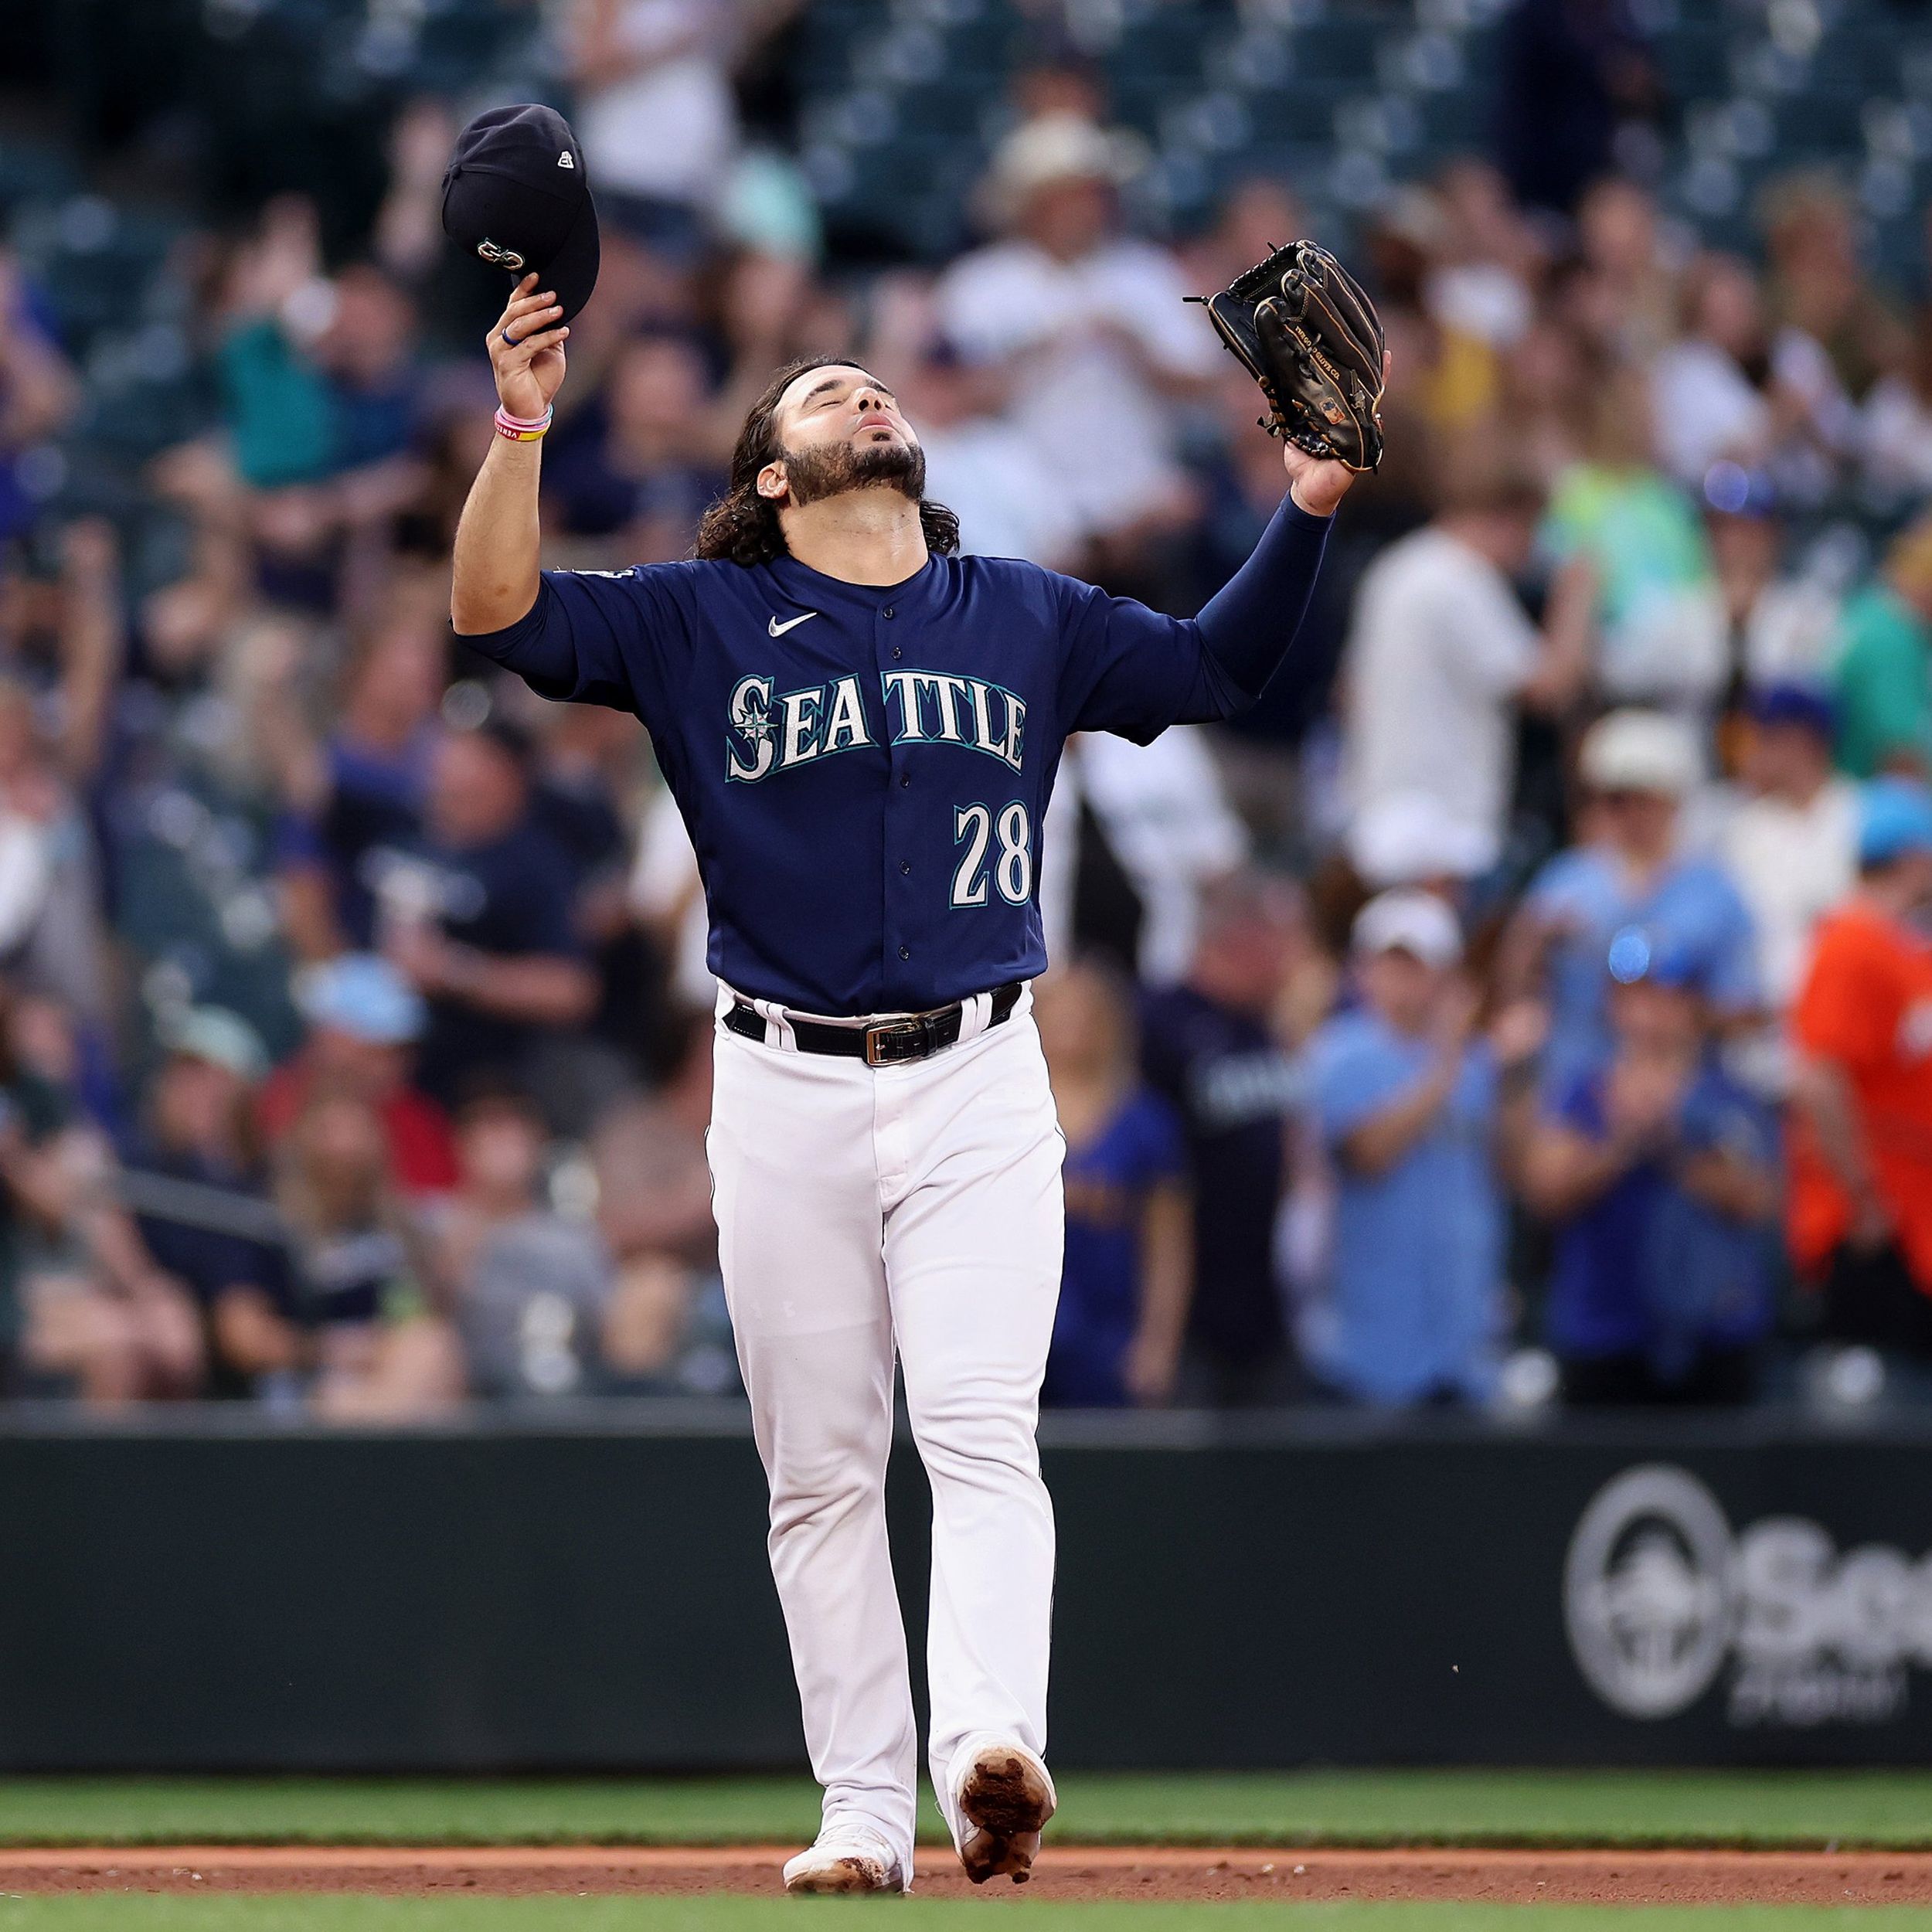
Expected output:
{"points": [[812, 475]]}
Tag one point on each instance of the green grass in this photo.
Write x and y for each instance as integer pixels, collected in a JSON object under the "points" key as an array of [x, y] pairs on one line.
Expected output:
{"points": [[324, 1912], [1851, 1808]]}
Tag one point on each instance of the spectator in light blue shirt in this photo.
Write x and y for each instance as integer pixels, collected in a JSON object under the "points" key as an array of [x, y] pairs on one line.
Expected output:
{"points": [[1632, 872], [1407, 1103]]}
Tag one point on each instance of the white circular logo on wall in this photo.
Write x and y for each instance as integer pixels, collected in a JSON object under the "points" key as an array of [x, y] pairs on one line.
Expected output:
{"points": [[1647, 1591]]}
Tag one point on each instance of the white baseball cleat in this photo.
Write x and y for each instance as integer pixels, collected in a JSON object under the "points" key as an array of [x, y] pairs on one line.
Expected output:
{"points": [[1004, 1797], [845, 1859]]}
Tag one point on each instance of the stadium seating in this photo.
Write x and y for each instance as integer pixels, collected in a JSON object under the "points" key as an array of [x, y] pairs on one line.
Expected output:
{"points": [[1349, 95], [901, 103]]}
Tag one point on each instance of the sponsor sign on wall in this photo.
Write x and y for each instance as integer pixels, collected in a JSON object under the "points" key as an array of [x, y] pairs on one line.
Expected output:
{"points": [[1665, 1600]]}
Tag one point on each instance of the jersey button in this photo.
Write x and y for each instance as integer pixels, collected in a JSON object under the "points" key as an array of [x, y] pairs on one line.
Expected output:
{"points": [[887, 612], [905, 953], [897, 652], [905, 778], [906, 865]]}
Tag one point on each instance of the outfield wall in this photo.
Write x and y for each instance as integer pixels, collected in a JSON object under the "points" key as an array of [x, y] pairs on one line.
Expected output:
{"points": [[588, 1589]]}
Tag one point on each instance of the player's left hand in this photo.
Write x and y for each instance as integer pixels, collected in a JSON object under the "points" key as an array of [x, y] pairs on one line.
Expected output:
{"points": [[1318, 484]]}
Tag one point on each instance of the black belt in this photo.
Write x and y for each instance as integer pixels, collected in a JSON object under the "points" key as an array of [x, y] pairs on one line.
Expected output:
{"points": [[887, 1042]]}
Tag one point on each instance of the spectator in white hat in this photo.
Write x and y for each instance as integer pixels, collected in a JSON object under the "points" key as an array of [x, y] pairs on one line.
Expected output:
{"points": [[1631, 870], [1406, 1097], [1085, 324]]}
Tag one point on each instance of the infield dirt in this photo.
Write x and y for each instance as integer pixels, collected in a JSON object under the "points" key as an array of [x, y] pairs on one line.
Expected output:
{"points": [[1070, 1873]]}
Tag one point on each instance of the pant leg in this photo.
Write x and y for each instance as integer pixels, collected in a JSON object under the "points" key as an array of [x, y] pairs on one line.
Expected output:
{"points": [[974, 1233], [796, 1194]]}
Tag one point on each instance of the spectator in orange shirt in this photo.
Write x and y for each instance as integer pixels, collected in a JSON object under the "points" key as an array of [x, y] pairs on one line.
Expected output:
{"points": [[1861, 1200]]}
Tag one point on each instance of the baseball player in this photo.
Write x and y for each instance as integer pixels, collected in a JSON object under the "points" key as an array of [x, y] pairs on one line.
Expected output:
{"points": [[861, 728]]}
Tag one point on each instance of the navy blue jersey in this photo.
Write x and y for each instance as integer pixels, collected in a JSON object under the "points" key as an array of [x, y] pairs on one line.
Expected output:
{"points": [[864, 769]]}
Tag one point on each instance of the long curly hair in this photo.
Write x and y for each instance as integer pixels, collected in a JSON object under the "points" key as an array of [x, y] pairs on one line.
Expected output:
{"points": [[742, 526]]}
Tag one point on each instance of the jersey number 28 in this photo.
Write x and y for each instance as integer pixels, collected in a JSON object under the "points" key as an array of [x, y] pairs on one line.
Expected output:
{"points": [[975, 827]]}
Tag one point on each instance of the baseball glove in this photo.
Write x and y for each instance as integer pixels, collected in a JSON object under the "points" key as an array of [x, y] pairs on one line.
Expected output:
{"points": [[1301, 326]]}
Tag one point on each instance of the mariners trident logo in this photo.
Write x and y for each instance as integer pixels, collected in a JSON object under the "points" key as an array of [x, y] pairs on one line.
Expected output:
{"points": [[772, 730]]}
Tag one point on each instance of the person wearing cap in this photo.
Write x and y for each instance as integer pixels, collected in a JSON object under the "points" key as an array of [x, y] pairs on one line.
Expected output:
{"points": [[1632, 868], [1880, 675], [215, 1235], [1860, 1205], [1441, 658], [1085, 325], [1700, 648], [1406, 1096], [1791, 843], [364, 1020], [478, 916], [1659, 1174]]}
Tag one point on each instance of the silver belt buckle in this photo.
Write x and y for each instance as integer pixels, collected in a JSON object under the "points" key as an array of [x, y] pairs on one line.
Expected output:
{"points": [[876, 1051]]}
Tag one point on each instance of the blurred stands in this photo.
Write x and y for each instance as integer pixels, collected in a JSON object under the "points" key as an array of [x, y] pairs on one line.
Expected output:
{"points": [[901, 101], [1347, 96], [207, 174]]}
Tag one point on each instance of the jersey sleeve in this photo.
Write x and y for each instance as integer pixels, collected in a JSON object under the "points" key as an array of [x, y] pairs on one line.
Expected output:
{"points": [[618, 638], [1134, 672]]}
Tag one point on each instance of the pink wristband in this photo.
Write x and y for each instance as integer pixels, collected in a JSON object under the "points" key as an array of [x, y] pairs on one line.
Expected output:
{"points": [[518, 430]]}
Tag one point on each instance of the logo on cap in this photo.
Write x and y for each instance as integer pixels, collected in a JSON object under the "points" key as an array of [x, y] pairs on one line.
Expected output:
{"points": [[496, 252], [564, 160]]}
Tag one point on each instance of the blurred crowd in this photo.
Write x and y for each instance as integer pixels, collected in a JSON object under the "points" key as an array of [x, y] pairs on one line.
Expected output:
{"points": [[1534, 1005]]}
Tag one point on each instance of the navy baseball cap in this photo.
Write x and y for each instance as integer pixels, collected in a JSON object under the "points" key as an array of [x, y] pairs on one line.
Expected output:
{"points": [[516, 194], [1793, 703]]}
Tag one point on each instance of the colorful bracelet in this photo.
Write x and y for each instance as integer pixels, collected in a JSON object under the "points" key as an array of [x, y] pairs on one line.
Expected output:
{"points": [[517, 430]]}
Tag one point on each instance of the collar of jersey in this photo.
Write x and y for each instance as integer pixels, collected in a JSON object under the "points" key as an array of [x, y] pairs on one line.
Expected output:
{"points": [[804, 585]]}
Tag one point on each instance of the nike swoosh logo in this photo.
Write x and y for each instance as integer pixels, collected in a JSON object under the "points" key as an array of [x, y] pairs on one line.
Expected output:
{"points": [[778, 630]]}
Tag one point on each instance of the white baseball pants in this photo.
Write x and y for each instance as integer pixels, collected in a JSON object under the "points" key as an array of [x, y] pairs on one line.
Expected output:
{"points": [[917, 1208]]}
